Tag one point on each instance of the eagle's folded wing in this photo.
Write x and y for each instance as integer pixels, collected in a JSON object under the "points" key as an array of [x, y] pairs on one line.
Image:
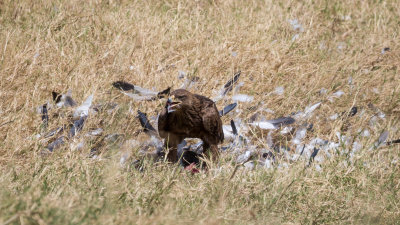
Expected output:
{"points": [[212, 123]]}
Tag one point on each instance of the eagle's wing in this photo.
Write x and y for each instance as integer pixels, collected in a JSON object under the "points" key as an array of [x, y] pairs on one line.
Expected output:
{"points": [[212, 123], [162, 123]]}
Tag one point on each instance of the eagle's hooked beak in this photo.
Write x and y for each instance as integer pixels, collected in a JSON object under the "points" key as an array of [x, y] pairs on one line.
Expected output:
{"points": [[172, 104]]}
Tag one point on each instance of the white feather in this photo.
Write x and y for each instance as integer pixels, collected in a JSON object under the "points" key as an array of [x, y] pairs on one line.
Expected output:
{"points": [[242, 98], [137, 97], [145, 92], [264, 125], [83, 110]]}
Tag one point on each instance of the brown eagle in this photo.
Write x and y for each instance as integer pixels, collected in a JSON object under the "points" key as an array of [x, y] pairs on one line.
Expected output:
{"points": [[188, 115]]}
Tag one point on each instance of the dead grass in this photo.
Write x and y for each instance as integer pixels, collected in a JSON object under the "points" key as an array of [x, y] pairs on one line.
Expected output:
{"points": [[86, 45]]}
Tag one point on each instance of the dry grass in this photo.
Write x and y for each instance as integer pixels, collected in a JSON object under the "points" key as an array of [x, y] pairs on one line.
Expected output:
{"points": [[85, 45]]}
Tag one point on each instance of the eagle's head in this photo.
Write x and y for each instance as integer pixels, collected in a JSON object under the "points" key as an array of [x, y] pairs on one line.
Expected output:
{"points": [[177, 100], [172, 105]]}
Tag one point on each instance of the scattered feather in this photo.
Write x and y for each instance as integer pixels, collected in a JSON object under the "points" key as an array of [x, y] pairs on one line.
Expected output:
{"points": [[77, 146], [96, 132], [268, 164], [164, 93], [307, 112], [56, 97], [228, 133], [238, 86], [243, 158], [228, 86], [242, 98], [269, 111], [286, 130], [189, 82], [145, 122], [56, 144], [77, 126], [356, 146], [249, 165], [139, 98], [365, 133], [123, 86], [66, 100], [181, 74], [323, 91], [353, 111], [295, 37], [281, 121], [270, 141], [350, 81], [264, 125], [334, 116], [346, 18], [313, 154], [311, 109], [83, 110], [384, 50], [234, 130], [45, 115], [377, 111], [54, 132], [144, 91], [296, 25], [227, 109], [382, 138], [393, 142], [299, 135]]}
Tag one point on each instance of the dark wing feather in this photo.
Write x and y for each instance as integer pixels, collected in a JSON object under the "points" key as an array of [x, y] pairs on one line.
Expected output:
{"points": [[212, 123], [164, 93], [393, 142], [56, 97], [124, 86], [234, 130], [228, 86], [145, 122], [162, 124], [227, 109]]}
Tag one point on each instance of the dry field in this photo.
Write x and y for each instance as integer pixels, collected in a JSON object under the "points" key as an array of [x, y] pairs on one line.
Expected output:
{"points": [[84, 46]]}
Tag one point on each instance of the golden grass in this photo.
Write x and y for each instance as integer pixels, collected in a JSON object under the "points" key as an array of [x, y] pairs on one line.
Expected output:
{"points": [[86, 45]]}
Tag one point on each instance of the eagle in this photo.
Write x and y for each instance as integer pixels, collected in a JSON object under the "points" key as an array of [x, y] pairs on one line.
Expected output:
{"points": [[188, 115]]}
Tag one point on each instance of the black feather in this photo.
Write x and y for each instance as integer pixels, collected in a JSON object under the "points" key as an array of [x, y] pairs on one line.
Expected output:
{"points": [[234, 130], [315, 152], [124, 86], [56, 97], [77, 126], [227, 109], [228, 86], [45, 115], [145, 122], [393, 142], [353, 111], [164, 93], [282, 121]]}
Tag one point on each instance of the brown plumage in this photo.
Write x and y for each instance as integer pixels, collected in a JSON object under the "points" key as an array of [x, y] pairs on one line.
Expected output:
{"points": [[188, 115]]}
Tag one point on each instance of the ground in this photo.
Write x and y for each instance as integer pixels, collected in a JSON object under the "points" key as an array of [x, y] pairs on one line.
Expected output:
{"points": [[302, 46]]}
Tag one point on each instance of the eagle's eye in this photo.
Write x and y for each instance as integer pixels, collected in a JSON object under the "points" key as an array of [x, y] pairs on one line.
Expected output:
{"points": [[181, 98]]}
